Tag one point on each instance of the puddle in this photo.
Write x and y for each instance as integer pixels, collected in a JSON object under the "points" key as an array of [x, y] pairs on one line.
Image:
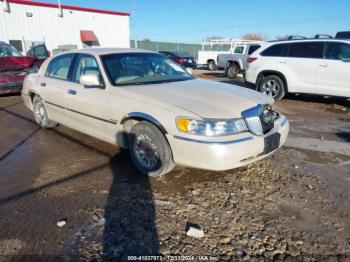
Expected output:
{"points": [[180, 178], [301, 219]]}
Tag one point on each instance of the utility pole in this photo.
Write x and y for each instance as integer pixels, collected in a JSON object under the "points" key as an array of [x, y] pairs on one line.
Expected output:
{"points": [[60, 12], [7, 6]]}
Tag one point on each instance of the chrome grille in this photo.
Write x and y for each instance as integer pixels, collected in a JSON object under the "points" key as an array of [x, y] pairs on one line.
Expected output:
{"points": [[260, 119]]}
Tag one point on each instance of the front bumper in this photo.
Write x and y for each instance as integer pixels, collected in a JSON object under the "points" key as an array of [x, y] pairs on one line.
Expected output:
{"points": [[224, 153]]}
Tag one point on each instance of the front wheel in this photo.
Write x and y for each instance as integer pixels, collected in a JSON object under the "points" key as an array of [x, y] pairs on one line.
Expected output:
{"points": [[212, 65], [232, 71], [272, 86], [150, 151], [40, 113]]}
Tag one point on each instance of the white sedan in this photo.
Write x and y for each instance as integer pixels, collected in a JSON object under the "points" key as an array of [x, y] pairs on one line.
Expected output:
{"points": [[143, 101]]}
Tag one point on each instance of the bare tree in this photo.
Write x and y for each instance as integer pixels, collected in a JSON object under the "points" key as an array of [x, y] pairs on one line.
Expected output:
{"points": [[213, 38], [253, 36]]}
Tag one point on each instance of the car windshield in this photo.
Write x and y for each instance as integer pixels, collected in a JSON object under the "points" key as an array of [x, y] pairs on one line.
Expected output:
{"points": [[142, 68], [181, 54], [8, 51]]}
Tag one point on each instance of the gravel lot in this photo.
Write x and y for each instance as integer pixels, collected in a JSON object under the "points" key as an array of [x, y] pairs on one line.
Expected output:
{"points": [[66, 194]]}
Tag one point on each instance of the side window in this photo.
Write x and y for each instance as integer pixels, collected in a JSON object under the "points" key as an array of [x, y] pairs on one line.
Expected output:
{"points": [[59, 67], [276, 50], [39, 51], [337, 51], [239, 50], [306, 50], [253, 48], [86, 64]]}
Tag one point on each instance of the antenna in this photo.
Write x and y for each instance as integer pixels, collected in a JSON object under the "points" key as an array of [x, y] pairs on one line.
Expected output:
{"points": [[60, 13], [133, 9]]}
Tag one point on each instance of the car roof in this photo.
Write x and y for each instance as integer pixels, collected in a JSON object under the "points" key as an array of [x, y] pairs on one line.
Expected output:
{"points": [[107, 50], [309, 40]]}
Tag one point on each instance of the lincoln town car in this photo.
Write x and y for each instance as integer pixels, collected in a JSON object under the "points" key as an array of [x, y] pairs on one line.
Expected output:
{"points": [[143, 101]]}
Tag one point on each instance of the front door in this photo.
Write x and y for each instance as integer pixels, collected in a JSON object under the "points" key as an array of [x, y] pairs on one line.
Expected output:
{"points": [[334, 70], [87, 107]]}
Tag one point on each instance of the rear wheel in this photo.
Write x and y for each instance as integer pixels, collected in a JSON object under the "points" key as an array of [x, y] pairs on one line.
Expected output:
{"points": [[150, 150], [232, 71], [272, 86], [211, 65], [40, 114]]}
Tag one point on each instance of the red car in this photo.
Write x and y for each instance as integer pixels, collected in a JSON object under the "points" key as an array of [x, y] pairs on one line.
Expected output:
{"points": [[14, 66]]}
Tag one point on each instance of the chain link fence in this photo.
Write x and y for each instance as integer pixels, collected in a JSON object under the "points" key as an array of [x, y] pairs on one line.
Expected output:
{"points": [[191, 49]]}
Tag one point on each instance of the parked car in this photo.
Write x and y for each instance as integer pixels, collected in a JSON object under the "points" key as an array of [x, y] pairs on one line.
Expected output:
{"points": [[235, 63], [208, 58], [315, 66], [343, 35], [182, 58], [14, 67], [145, 102]]}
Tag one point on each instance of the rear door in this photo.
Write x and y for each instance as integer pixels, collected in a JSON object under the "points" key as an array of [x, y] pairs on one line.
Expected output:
{"points": [[54, 86], [88, 107], [303, 62], [334, 70]]}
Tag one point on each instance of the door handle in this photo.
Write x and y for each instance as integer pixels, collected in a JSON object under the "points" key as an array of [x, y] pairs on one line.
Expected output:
{"points": [[72, 92], [43, 84], [283, 62], [323, 64]]}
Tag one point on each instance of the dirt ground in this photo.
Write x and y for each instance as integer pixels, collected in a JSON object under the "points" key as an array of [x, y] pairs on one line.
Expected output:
{"points": [[65, 196]]}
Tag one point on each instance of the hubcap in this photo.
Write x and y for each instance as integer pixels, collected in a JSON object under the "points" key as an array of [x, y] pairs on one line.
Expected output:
{"points": [[146, 151], [271, 88], [232, 72], [211, 66], [39, 112]]}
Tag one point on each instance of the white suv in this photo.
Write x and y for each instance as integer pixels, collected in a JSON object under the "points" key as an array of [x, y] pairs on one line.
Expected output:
{"points": [[315, 66]]}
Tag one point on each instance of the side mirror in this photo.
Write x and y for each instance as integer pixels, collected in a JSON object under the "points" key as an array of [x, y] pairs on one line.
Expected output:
{"points": [[346, 60], [90, 80], [189, 70]]}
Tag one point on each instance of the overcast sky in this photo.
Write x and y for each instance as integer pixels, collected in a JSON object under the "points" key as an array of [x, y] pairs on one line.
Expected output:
{"points": [[193, 20]]}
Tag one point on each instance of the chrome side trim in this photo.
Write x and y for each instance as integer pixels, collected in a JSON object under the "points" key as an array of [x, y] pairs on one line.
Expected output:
{"points": [[215, 142], [284, 121]]}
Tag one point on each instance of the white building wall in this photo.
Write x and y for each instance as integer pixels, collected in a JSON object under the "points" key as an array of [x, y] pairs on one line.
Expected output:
{"points": [[45, 25]]}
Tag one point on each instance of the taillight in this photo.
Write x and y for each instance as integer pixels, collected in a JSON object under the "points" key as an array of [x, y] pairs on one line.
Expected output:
{"points": [[48, 53], [251, 59], [180, 60]]}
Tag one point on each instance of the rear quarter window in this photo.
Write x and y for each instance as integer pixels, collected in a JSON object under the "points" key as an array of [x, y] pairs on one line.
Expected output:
{"points": [[253, 48], [239, 50], [276, 50]]}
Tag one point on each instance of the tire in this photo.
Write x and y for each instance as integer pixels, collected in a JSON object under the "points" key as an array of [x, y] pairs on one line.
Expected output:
{"points": [[211, 65], [232, 71], [40, 114], [272, 86], [144, 136]]}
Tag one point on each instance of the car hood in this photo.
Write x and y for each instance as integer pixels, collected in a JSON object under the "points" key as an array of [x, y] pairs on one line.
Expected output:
{"points": [[207, 99], [15, 62]]}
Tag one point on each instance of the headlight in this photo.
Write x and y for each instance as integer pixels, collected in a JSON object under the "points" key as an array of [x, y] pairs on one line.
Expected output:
{"points": [[210, 127]]}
